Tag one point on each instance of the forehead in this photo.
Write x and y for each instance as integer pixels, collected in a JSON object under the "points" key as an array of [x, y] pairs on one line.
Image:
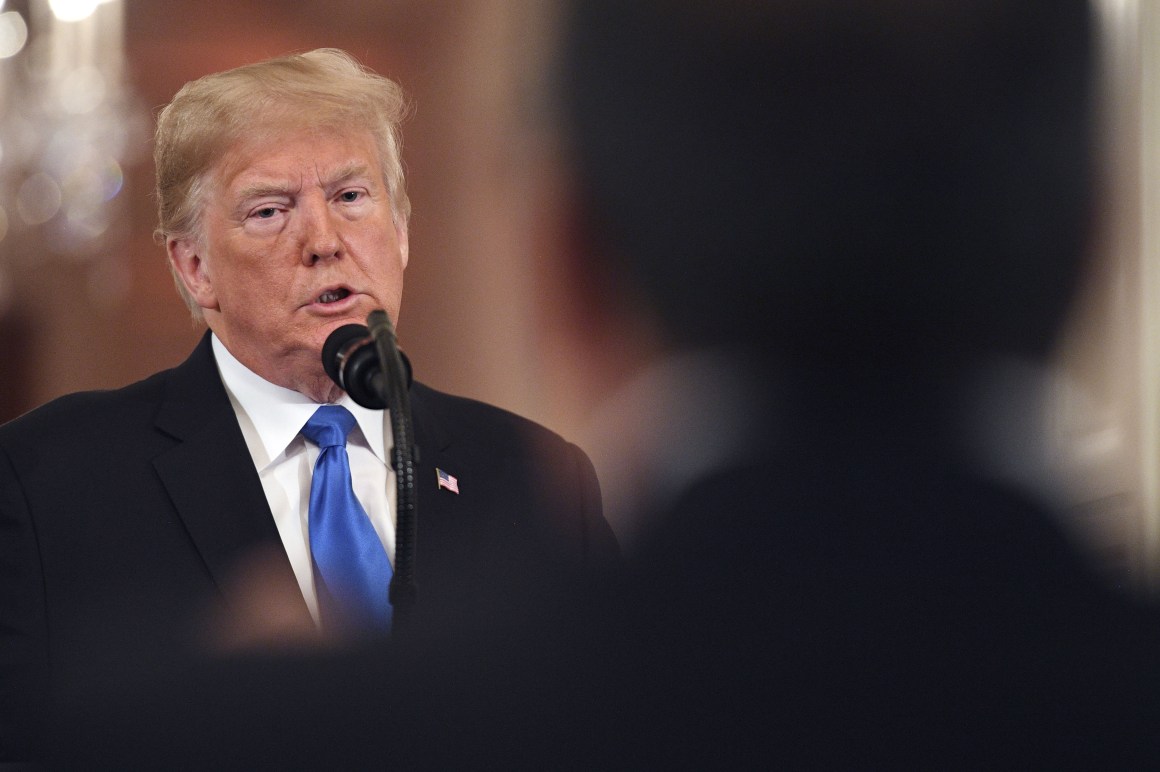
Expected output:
{"points": [[297, 156]]}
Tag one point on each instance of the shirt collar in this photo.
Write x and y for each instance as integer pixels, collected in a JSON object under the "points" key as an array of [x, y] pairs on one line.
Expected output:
{"points": [[278, 414]]}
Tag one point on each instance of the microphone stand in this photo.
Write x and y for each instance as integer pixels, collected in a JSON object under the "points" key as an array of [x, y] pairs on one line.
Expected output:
{"points": [[404, 456]]}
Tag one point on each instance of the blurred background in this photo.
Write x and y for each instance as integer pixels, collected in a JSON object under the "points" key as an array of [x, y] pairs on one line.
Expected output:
{"points": [[491, 308]]}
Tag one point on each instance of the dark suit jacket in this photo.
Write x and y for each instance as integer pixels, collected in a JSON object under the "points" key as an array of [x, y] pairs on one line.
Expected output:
{"points": [[125, 513]]}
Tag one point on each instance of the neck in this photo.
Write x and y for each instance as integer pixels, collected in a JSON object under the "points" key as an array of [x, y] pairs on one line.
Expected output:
{"points": [[304, 375], [322, 391]]}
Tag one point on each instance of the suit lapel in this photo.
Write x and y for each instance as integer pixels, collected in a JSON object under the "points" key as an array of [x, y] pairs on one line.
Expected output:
{"points": [[435, 507], [209, 473]]}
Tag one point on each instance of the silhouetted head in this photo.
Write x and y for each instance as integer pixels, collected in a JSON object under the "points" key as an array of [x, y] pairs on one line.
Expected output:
{"points": [[881, 182]]}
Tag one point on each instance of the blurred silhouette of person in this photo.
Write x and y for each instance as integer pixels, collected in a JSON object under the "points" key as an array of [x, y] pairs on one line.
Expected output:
{"points": [[853, 222], [844, 215]]}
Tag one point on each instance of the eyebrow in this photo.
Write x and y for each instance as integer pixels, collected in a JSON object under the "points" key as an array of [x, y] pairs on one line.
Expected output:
{"points": [[347, 172], [343, 174], [258, 190]]}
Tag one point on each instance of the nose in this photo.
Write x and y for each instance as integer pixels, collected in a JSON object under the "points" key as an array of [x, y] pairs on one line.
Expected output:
{"points": [[320, 239]]}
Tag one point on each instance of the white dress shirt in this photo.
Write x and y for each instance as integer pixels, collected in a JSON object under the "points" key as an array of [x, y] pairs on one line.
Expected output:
{"points": [[271, 418]]}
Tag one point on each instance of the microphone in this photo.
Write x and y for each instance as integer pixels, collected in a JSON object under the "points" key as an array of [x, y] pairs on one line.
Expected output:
{"points": [[350, 359], [367, 363]]}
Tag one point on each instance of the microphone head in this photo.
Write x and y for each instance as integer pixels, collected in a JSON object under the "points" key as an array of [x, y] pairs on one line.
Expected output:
{"points": [[334, 350], [351, 360]]}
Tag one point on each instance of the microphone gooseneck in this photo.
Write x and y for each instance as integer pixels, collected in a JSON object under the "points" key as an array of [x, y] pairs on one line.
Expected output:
{"points": [[404, 456]]}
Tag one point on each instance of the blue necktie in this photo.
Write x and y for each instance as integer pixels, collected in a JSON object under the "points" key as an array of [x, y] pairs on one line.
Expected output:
{"points": [[351, 568]]}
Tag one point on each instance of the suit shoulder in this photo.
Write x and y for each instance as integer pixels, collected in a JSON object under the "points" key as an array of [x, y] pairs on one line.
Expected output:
{"points": [[526, 466], [98, 408], [469, 417]]}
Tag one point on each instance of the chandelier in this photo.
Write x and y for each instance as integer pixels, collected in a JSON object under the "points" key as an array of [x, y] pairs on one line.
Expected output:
{"points": [[68, 127]]}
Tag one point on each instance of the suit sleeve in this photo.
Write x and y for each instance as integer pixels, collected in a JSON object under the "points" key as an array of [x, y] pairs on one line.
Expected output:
{"points": [[23, 625]]}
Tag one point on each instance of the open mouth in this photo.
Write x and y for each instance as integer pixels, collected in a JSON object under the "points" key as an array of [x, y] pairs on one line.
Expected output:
{"points": [[333, 296]]}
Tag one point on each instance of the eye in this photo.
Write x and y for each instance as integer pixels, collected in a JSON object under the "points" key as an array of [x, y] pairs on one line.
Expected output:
{"points": [[350, 196], [265, 212]]}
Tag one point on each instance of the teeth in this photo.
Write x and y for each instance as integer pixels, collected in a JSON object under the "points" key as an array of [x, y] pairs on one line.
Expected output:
{"points": [[333, 296]]}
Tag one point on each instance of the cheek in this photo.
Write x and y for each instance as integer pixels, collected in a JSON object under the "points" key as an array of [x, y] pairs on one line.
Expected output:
{"points": [[391, 274], [250, 287], [379, 252]]}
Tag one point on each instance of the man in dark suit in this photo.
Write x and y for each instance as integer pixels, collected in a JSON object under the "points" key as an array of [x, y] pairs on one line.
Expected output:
{"points": [[126, 516]]}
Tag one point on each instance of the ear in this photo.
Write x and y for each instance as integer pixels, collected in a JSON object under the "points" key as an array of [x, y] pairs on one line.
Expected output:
{"points": [[401, 235], [185, 256]]}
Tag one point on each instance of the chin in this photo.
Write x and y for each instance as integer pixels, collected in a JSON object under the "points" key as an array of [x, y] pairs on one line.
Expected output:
{"points": [[333, 324]]}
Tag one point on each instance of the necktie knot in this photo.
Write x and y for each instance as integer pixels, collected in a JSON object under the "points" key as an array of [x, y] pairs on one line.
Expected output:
{"points": [[329, 426]]}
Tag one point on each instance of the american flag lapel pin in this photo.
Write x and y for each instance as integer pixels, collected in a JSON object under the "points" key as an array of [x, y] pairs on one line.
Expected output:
{"points": [[447, 481]]}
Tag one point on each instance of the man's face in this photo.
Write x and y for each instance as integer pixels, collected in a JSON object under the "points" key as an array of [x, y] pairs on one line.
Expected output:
{"points": [[299, 239]]}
